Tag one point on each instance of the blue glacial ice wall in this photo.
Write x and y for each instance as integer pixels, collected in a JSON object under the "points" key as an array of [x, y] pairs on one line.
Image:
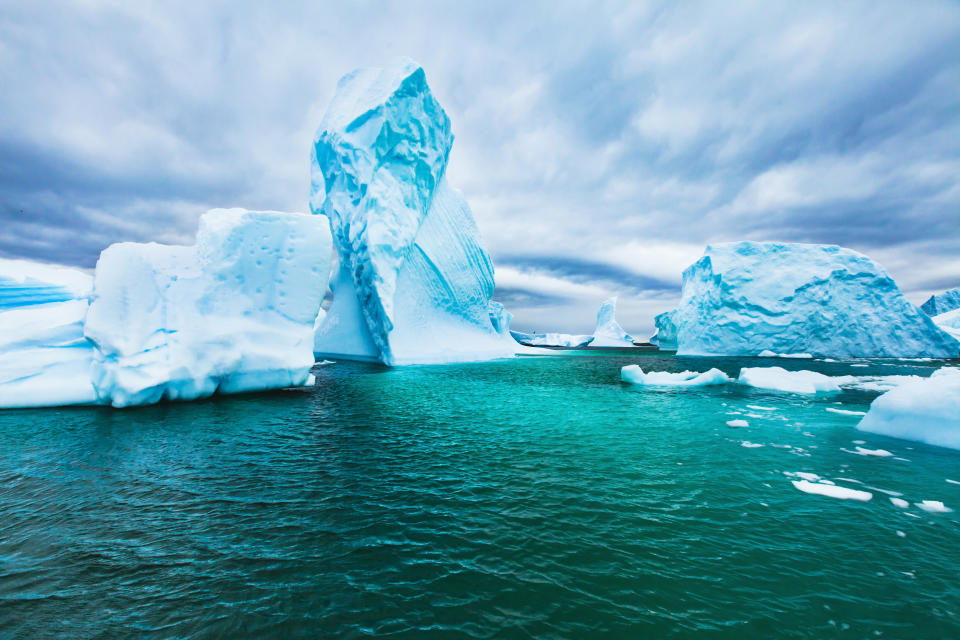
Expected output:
{"points": [[414, 280], [942, 302], [746, 297]]}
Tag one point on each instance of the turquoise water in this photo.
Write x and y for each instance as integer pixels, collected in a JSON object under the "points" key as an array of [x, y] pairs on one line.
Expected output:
{"points": [[539, 497]]}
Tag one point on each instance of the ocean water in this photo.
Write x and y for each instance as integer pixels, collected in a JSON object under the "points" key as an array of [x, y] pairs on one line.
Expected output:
{"points": [[538, 497]]}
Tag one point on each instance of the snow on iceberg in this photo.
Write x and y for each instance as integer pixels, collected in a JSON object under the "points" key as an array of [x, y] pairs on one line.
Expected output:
{"points": [[551, 339], [635, 375], [233, 313], [942, 302], [744, 297], [44, 358], [925, 410], [414, 280], [779, 379], [608, 332]]}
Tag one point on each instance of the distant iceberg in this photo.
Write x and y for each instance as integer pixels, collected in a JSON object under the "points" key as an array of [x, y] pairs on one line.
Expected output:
{"points": [[949, 322], [925, 410], [942, 302], [666, 336], [414, 280], [745, 297], [608, 332], [235, 312]]}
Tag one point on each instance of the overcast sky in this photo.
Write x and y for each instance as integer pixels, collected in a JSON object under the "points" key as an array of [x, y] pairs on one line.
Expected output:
{"points": [[601, 146]]}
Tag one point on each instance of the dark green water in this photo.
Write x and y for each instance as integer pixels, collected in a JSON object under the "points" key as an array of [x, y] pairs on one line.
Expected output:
{"points": [[539, 497]]}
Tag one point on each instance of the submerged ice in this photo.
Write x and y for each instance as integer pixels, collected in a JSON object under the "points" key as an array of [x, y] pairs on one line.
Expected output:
{"points": [[745, 297], [414, 280]]}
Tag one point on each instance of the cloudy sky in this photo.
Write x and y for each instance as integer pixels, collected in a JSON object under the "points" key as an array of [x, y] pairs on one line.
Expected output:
{"points": [[600, 145]]}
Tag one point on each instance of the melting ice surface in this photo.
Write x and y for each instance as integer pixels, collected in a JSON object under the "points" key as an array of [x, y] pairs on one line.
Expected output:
{"points": [[415, 280], [746, 297]]}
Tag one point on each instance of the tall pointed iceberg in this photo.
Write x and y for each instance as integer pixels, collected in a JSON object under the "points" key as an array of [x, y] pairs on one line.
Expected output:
{"points": [[609, 333], [414, 280]]}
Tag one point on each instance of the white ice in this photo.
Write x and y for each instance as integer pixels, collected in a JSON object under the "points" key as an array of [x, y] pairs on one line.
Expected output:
{"points": [[832, 491], [737, 423], [779, 379], [635, 375], [846, 412], [608, 332], [934, 506]]}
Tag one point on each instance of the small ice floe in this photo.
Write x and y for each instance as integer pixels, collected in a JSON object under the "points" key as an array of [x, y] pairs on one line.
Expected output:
{"points": [[828, 360], [952, 481], [803, 475], [750, 445], [876, 453], [755, 415], [933, 506], [859, 442], [846, 412], [779, 379], [766, 353], [832, 490], [323, 363], [635, 375], [901, 534], [737, 423], [757, 407], [859, 365], [900, 502]]}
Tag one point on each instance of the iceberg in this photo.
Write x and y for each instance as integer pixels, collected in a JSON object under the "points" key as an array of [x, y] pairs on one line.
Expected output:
{"points": [[499, 317], [942, 302], [608, 332], [414, 280], [779, 379], [949, 322], [234, 312], [635, 375], [552, 339], [666, 336], [924, 410], [745, 297], [44, 358]]}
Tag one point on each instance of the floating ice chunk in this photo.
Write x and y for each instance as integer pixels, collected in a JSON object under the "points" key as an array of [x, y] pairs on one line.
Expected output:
{"points": [[415, 280], [934, 506], [901, 534], [750, 445], [552, 339], [926, 410], [900, 502], [635, 375], [832, 491], [780, 379], [737, 423], [803, 475], [766, 353], [875, 453], [744, 297], [952, 481], [846, 412], [608, 332], [759, 408], [233, 313]]}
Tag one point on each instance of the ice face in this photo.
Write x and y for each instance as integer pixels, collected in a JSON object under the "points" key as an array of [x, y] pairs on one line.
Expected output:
{"points": [[499, 317], [925, 410], [666, 336], [949, 322], [742, 298], [410, 252], [942, 302], [608, 333], [44, 358], [235, 312]]}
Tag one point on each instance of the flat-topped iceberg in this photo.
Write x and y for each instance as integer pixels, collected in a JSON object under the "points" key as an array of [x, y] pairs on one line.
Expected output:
{"points": [[234, 312], [942, 302], [779, 379], [925, 410], [745, 297], [414, 280], [44, 358], [609, 333]]}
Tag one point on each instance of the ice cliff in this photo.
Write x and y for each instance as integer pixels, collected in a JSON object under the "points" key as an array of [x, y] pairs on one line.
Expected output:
{"points": [[608, 333], [44, 358], [234, 312], [745, 297], [414, 280], [942, 302]]}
